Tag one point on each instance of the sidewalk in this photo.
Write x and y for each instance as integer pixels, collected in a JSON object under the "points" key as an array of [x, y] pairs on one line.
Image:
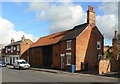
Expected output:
{"points": [[70, 73]]}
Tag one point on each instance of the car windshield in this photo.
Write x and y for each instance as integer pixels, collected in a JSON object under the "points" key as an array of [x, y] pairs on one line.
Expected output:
{"points": [[23, 62], [1, 62]]}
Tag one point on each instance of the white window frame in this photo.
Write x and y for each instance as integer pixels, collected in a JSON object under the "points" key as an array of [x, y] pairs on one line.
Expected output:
{"points": [[118, 56], [18, 47], [68, 57], [98, 43], [6, 50], [14, 48], [68, 44], [100, 57], [11, 49]]}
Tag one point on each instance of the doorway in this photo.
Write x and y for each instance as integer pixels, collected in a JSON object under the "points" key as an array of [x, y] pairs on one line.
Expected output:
{"points": [[62, 60], [47, 56]]}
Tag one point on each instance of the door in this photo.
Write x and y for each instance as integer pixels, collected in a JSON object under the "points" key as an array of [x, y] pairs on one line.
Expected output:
{"points": [[84, 66], [62, 61], [10, 60], [47, 56]]}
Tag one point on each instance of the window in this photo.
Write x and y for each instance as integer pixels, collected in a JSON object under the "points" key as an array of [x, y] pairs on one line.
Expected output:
{"points": [[68, 45], [6, 50], [11, 49], [118, 56], [17, 53], [68, 57], [98, 45], [18, 48], [100, 57], [14, 48]]}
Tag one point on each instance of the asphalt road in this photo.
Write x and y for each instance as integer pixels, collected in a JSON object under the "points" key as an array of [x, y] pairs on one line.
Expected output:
{"points": [[13, 75]]}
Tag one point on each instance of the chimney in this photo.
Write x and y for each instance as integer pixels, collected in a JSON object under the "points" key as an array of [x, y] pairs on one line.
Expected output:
{"points": [[23, 38], [12, 40], [91, 15], [115, 36]]}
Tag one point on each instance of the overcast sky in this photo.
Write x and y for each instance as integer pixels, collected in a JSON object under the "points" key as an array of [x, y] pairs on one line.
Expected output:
{"points": [[38, 19]]}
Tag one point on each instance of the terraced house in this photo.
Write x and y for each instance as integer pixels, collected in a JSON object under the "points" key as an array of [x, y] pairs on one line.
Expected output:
{"points": [[81, 46], [1, 47], [15, 50]]}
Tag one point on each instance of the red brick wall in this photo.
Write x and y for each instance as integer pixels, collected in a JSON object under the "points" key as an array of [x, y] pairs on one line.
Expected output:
{"points": [[115, 49], [86, 48], [36, 56], [61, 49], [106, 66], [24, 46], [56, 56]]}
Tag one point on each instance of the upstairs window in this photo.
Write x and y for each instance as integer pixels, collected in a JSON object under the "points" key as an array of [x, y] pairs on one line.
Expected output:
{"points": [[14, 48], [98, 45], [18, 48], [11, 49], [100, 57], [68, 56], [68, 45], [6, 50]]}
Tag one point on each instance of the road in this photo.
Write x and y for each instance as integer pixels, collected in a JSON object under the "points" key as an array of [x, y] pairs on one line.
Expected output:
{"points": [[13, 75]]}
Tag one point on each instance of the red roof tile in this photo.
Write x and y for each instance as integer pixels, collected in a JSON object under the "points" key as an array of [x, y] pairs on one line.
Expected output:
{"points": [[50, 39]]}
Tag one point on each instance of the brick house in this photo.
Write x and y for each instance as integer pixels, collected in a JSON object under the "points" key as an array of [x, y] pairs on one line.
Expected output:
{"points": [[112, 64], [15, 50], [1, 47], [116, 46], [81, 46]]}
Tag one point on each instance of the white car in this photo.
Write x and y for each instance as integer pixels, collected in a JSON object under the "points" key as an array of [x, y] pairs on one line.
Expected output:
{"points": [[21, 64]]}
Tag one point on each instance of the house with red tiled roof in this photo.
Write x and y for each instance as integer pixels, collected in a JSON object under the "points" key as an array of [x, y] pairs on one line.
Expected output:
{"points": [[81, 46]]}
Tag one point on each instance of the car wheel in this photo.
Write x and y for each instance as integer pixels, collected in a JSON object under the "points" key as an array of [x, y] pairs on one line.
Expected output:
{"points": [[20, 68]]}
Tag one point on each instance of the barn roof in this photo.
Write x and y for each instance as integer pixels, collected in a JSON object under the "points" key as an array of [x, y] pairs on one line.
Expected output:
{"points": [[60, 36]]}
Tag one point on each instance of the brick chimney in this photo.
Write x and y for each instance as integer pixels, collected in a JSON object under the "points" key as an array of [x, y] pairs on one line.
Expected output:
{"points": [[12, 40], [90, 15], [23, 38]]}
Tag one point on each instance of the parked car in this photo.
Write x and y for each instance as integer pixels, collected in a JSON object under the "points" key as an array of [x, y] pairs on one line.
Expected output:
{"points": [[2, 64], [21, 64]]}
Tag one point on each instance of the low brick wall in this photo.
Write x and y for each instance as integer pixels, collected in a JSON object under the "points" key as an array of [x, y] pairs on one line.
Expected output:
{"points": [[106, 66]]}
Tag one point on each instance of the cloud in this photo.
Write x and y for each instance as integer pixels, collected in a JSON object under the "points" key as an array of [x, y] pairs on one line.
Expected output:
{"points": [[61, 16], [107, 25], [7, 32], [109, 8], [66, 15]]}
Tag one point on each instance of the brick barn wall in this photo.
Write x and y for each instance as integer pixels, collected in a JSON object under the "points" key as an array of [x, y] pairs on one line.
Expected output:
{"points": [[86, 48], [56, 56], [36, 57]]}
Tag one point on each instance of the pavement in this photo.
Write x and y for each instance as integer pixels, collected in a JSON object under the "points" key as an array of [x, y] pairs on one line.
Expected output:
{"points": [[70, 73]]}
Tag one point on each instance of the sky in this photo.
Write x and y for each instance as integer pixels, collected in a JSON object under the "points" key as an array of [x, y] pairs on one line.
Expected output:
{"points": [[38, 19]]}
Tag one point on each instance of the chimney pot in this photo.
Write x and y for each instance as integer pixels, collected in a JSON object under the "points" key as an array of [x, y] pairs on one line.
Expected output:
{"points": [[12, 40], [23, 38]]}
